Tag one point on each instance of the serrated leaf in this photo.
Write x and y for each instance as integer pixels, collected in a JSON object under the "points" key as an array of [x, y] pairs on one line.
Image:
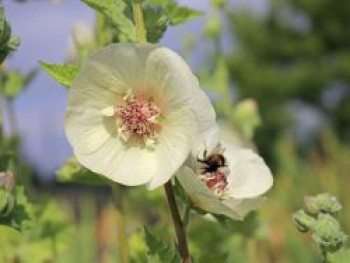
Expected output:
{"points": [[72, 171], [156, 23], [161, 249], [21, 217], [180, 14], [64, 74], [8, 43], [114, 11]]}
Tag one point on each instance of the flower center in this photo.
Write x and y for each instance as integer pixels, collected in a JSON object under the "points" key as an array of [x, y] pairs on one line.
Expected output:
{"points": [[138, 118], [213, 172]]}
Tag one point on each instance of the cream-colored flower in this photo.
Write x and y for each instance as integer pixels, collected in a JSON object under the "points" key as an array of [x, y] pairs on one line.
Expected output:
{"points": [[224, 179], [134, 113]]}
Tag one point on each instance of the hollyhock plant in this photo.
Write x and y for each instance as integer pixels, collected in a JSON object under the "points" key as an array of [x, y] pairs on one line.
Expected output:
{"points": [[134, 113], [221, 178]]}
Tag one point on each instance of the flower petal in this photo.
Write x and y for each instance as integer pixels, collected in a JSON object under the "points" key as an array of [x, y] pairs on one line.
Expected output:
{"points": [[174, 145], [121, 163], [244, 206], [201, 196], [86, 129], [249, 175], [172, 77]]}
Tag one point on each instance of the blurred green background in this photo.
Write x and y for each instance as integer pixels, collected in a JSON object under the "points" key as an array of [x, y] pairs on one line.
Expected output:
{"points": [[278, 73]]}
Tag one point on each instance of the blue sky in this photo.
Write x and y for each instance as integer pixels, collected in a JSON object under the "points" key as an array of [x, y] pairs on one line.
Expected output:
{"points": [[44, 28]]}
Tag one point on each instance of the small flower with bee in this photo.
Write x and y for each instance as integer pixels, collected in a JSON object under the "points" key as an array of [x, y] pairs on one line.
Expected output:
{"points": [[224, 179]]}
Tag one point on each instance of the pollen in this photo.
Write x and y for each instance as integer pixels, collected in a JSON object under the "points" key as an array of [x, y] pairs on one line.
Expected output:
{"points": [[216, 182], [138, 118]]}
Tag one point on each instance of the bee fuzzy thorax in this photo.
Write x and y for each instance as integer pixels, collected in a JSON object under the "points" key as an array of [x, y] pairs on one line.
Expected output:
{"points": [[213, 171]]}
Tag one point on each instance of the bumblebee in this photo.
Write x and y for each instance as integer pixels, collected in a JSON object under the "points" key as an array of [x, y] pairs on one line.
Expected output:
{"points": [[213, 161]]}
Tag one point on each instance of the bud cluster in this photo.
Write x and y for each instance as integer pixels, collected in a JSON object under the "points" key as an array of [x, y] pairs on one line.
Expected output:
{"points": [[318, 217]]}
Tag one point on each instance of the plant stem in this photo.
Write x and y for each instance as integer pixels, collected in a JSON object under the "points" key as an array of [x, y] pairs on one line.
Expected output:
{"points": [[122, 240], [324, 255], [141, 32], [179, 226]]}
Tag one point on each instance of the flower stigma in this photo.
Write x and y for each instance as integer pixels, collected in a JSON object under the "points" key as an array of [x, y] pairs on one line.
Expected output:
{"points": [[214, 171], [138, 118]]}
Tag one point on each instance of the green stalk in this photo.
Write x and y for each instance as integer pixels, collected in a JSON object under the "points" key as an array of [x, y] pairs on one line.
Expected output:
{"points": [[141, 32], [180, 231]]}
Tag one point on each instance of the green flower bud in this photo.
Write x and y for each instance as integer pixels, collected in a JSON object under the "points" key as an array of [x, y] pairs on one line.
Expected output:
{"points": [[13, 43], [327, 233], [7, 199], [212, 28], [325, 203], [303, 221], [311, 206], [219, 3]]}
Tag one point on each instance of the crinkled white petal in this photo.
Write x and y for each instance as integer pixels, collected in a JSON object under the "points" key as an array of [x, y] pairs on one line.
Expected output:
{"points": [[123, 164], [174, 145], [201, 196], [244, 206], [171, 76], [249, 175], [86, 128]]}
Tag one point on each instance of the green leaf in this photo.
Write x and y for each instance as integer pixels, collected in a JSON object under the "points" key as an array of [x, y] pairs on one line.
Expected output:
{"points": [[161, 249], [180, 14], [64, 74], [114, 10], [8, 42], [72, 171], [156, 23], [22, 215]]}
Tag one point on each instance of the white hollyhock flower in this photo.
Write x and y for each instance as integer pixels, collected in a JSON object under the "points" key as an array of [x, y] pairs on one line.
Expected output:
{"points": [[224, 179], [135, 112]]}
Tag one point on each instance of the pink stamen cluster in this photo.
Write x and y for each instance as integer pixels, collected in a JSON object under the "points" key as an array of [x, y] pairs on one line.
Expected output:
{"points": [[138, 117], [216, 182]]}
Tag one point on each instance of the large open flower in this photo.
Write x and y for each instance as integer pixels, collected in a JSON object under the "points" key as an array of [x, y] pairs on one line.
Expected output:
{"points": [[135, 112], [224, 179]]}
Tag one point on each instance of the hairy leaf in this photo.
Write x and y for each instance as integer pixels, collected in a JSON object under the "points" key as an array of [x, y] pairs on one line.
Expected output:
{"points": [[64, 74], [161, 249], [180, 14], [114, 11], [22, 215]]}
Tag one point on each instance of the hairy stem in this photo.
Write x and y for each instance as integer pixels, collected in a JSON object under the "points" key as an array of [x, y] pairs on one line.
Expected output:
{"points": [[179, 226], [141, 32]]}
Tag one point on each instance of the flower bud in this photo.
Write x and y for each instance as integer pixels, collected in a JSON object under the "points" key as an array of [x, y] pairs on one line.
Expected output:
{"points": [[212, 28], [327, 233], [82, 36], [219, 3], [7, 200], [303, 221], [324, 203], [14, 43], [246, 116]]}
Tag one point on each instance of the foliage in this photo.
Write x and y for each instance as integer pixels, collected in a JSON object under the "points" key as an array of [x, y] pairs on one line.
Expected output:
{"points": [[63, 74], [8, 42], [160, 249]]}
